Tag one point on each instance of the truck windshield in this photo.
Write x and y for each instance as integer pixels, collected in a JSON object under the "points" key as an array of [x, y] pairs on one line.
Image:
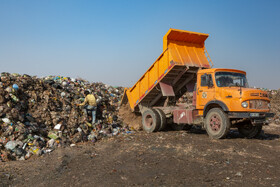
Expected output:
{"points": [[231, 79]]}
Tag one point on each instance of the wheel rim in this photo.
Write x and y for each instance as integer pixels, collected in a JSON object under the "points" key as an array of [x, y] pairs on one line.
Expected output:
{"points": [[215, 123], [149, 121]]}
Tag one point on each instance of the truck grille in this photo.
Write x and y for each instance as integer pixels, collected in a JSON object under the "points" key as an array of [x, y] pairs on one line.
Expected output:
{"points": [[258, 104]]}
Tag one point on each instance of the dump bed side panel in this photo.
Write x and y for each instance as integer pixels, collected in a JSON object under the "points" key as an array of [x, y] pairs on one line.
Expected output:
{"points": [[151, 78], [182, 50]]}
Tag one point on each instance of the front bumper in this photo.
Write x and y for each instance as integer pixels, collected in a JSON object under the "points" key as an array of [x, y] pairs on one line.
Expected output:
{"points": [[251, 115]]}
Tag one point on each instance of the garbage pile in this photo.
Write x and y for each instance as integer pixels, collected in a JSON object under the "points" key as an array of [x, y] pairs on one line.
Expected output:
{"points": [[275, 105], [37, 115], [186, 98]]}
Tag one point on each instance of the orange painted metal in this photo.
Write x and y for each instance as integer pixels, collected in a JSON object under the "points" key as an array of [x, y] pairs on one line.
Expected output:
{"points": [[180, 48], [232, 97], [186, 47]]}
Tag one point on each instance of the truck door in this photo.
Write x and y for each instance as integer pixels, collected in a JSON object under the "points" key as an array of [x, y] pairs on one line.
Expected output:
{"points": [[205, 90]]}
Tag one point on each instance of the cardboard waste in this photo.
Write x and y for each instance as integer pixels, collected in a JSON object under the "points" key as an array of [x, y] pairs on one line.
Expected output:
{"points": [[37, 115]]}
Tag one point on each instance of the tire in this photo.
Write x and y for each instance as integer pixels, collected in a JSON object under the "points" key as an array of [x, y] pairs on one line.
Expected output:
{"points": [[162, 119], [250, 131], [150, 120], [217, 123]]}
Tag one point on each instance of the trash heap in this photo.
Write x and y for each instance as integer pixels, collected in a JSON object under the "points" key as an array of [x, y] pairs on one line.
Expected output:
{"points": [[186, 98], [275, 105], [37, 115]]}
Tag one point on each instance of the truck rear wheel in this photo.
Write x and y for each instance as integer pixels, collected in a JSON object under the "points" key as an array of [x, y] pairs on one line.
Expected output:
{"points": [[249, 130], [162, 119], [217, 123], [150, 120]]}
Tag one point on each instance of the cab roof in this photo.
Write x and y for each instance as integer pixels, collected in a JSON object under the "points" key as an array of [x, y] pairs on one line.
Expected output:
{"points": [[213, 70]]}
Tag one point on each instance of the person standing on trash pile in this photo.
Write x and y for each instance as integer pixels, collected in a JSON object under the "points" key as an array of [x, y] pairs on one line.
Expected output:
{"points": [[89, 105]]}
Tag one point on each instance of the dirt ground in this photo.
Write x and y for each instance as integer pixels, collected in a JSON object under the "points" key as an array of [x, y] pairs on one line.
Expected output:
{"points": [[170, 158], [134, 120]]}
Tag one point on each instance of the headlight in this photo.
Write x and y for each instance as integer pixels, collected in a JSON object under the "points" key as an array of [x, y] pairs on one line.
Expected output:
{"points": [[244, 104]]}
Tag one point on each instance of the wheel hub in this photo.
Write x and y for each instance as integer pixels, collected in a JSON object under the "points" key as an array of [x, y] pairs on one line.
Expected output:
{"points": [[149, 121], [215, 123]]}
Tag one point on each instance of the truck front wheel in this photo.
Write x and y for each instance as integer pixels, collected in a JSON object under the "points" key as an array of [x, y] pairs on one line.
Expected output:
{"points": [[217, 123], [150, 120], [249, 130]]}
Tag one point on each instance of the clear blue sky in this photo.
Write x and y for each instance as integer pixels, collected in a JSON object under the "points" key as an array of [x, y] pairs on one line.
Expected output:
{"points": [[116, 41]]}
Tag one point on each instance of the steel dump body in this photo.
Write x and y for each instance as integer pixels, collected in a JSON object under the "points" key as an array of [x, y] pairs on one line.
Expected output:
{"points": [[173, 73]]}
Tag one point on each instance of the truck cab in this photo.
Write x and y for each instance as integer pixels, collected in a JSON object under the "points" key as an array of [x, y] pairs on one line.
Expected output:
{"points": [[227, 91]]}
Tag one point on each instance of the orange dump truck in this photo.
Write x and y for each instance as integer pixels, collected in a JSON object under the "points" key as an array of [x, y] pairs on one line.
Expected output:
{"points": [[221, 100]]}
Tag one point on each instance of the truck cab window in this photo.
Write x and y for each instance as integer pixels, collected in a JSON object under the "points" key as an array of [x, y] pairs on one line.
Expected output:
{"points": [[204, 80], [231, 79]]}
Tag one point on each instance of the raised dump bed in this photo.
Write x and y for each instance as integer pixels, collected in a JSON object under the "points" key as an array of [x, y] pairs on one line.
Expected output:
{"points": [[173, 73], [221, 100]]}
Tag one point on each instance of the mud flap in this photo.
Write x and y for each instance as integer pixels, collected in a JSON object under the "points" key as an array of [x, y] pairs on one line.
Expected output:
{"points": [[166, 89]]}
